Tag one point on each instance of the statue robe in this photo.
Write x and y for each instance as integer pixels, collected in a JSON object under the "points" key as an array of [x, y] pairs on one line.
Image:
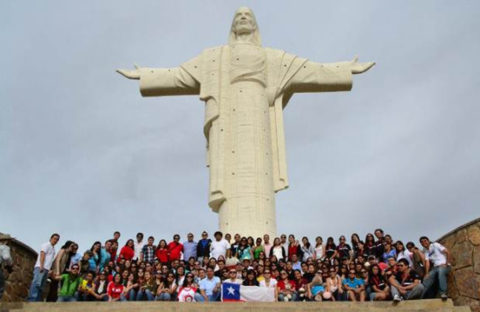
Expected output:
{"points": [[245, 89]]}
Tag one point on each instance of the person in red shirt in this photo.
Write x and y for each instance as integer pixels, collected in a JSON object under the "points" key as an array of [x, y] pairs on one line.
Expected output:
{"points": [[293, 247], [113, 250], [127, 251], [115, 289], [175, 248], [286, 288], [162, 252]]}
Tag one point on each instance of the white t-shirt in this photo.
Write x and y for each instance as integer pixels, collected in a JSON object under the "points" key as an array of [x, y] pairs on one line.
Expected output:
{"points": [[407, 255], [320, 252], [138, 249], [277, 252], [218, 249], [273, 283], [235, 281], [434, 253], [187, 294], [49, 251]]}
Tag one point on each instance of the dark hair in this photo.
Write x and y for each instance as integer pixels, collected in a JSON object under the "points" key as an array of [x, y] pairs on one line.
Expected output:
{"points": [[411, 244], [423, 237], [379, 230], [151, 237], [130, 240], [67, 244], [116, 232], [99, 254], [140, 234], [55, 234], [308, 243], [404, 261], [218, 233]]}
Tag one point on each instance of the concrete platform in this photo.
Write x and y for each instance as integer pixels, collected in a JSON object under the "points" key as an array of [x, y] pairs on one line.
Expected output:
{"points": [[405, 306]]}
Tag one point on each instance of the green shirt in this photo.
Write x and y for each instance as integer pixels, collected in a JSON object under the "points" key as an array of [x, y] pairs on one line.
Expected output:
{"points": [[70, 285]]}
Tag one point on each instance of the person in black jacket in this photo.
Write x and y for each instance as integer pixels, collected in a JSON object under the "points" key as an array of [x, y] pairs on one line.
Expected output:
{"points": [[203, 247]]}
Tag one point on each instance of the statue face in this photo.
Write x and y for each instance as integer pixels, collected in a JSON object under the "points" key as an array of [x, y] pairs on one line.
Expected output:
{"points": [[244, 22]]}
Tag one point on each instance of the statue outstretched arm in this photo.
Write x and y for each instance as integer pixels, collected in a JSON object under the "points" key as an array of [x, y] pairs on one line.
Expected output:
{"points": [[163, 81], [317, 77]]}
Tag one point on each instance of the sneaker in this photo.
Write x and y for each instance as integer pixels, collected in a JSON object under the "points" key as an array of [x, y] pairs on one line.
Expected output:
{"points": [[444, 297], [397, 299]]}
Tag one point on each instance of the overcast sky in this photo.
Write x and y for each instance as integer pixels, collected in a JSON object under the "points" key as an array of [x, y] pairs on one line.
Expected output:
{"points": [[83, 154]]}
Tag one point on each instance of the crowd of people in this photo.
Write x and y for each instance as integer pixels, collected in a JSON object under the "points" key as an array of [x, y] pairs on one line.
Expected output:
{"points": [[376, 268]]}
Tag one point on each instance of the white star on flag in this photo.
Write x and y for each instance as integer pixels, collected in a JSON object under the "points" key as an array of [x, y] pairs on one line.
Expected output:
{"points": [[231, 290]]}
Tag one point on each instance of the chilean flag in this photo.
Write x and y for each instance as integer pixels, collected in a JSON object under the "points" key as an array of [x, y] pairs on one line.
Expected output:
{"points": [[234, 292]]}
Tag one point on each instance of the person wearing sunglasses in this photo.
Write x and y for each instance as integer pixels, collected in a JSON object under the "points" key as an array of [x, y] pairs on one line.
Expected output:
{"points": [[405, 284], [71, 282], [286, 288], [354, 287], [334, 285], [186, 293]]}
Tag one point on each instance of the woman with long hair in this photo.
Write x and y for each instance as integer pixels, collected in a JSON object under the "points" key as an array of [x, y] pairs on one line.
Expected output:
{"points": [[96, 257], [115, 289], [186, 293], [330, 249], [307, 249], [60, 266], [369, 247], [319, 248], [251, 279], [148, 288], [379, 289], [127, 252], [166, 291], [244, 251], [277, 250], [357, 245], [161, 252], [334, 285], [258, 249]]}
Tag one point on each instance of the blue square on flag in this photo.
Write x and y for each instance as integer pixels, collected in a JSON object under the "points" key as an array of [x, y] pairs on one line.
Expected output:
{"points": [[230, 292]]}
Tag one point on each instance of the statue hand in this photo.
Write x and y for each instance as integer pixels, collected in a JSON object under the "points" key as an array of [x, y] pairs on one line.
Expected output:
{"points": [[130, 74], [358, 68]]}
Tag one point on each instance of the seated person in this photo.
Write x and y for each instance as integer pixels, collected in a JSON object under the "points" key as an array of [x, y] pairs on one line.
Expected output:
{"points": [[405, 284], [354, 287], [70, 282], [379, 289], [286, 288], [209, 287]]}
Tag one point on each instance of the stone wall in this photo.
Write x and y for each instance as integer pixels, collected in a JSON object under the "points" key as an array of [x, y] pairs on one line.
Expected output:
{"points": [[464, 280], [18, 282]]}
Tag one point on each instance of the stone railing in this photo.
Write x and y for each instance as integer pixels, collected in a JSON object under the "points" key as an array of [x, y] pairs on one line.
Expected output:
{"points": [[18, 282], [464, 280]]}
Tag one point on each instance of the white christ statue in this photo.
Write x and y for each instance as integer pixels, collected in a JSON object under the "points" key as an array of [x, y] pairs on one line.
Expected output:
{"points": [[245, 88]]}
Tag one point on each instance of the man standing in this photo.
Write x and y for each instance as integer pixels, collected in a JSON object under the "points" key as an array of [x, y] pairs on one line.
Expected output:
{"points": [[148, 251], [266, 244], [220, 246], [234, 246], [174, 248], [5, 261], [138, 246], [284, 243], [189, 248], [203, 247], [405, 284], [42, 266], [439, 256]]}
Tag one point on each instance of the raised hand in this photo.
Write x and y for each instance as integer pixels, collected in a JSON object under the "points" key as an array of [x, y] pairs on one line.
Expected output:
{"points": [[358, 68], [130, 74]]}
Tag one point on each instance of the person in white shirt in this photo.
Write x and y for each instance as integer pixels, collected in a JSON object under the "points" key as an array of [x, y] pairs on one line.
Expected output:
{"points": [[138, 246], [219, 246], [42, 267], [439, 257], [266, 244]]}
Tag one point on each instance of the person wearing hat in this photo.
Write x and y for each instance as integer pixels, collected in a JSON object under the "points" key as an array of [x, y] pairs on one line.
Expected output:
{"points": [[5, 260]]}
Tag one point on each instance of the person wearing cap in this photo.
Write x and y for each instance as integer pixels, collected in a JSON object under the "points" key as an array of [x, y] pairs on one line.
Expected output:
{"points": [[5, 260]]}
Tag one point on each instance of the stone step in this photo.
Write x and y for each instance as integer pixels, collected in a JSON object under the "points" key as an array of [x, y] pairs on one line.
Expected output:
{"points": [[404, 306]]}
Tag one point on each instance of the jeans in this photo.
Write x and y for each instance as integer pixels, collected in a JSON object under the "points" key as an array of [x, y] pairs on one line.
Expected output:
{"points": [[212, 297], [415, 293], [66, 299], [145, 294], [164, 297], [281, 297], [440, 272], [132, 295], [38, 282]]}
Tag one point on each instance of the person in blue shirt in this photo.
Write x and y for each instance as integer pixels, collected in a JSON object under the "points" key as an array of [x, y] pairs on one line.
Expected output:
{"points": [[354, 287], [209, 287]]}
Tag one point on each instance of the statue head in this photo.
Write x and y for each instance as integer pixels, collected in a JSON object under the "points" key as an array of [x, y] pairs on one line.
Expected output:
{"points": [[244, 23]]}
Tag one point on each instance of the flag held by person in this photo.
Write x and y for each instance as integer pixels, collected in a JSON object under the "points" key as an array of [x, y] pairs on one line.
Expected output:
{"points": [[235, 292]]}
